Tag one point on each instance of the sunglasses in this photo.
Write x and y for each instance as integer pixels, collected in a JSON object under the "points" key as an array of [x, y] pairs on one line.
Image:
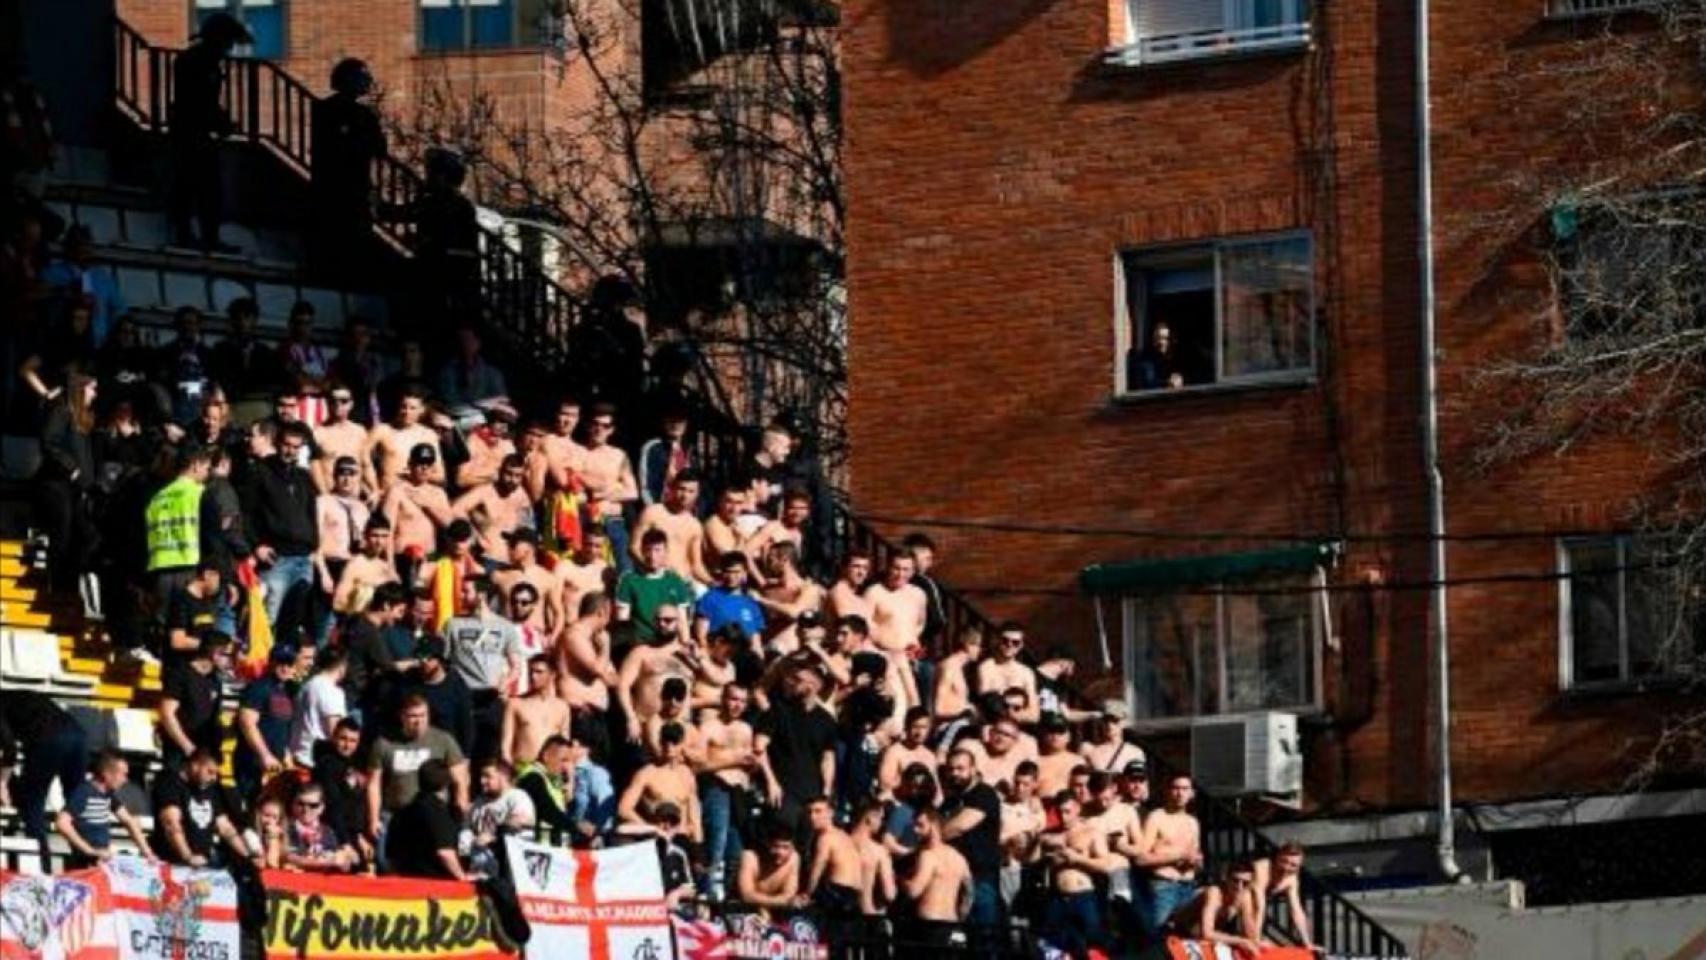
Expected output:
{"points": [[304, 804], [667, 621], [342, 398], [604, 424]]}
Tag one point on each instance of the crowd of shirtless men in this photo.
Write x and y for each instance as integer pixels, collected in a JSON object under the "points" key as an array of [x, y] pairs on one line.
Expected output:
{"points": [[797, 744]]}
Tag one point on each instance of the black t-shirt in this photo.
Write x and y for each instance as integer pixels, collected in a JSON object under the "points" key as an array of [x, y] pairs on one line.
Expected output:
{"points": [[369, 662], [201, 807], [416, 834], [981, 845], [198, 708], [191, 614], [799, 737]]}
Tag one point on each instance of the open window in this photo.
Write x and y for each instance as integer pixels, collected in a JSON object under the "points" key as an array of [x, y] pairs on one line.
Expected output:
{"points": [[1230, 311], [1168, 31]]}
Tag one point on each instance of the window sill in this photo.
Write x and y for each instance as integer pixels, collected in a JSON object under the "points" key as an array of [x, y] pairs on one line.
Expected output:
{"points": [[1296, 381], [511, 50], [1216, 45], [1618, 689], [1311, 715], [1580, 9]]}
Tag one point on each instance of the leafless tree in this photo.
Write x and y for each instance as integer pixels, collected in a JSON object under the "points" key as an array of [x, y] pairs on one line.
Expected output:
{"points": [[1614, 209], [695, 150]]}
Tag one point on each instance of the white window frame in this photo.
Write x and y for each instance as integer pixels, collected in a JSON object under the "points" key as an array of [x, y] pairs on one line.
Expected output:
{"points": [[1312, 674], [1123, 318], [1235, 38], [1566, 620]]}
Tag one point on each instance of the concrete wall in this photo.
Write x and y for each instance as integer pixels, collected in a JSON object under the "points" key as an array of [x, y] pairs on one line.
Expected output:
{"points": [[1488, 922]]}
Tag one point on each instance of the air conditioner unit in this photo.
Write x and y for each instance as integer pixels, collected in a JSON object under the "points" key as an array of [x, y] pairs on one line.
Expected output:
{"points": [[1249, 754]]}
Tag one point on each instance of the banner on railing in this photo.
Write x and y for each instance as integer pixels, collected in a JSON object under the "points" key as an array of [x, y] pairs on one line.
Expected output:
{"points": [[1179, 949], [162, 912], [749, 937], [346, 918], [68, 917], [598, 904]]}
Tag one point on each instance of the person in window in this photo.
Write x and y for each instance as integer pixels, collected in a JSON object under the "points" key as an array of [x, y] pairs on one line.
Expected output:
{"points": [[1159, 366], [347, 140], [198, 121]]}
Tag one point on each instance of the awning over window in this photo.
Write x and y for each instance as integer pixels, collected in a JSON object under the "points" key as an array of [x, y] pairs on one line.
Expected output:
{"points": [[1161, 573]]}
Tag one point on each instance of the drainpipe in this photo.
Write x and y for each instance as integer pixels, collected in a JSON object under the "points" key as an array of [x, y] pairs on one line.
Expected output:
{"points": [[1447, 848]]}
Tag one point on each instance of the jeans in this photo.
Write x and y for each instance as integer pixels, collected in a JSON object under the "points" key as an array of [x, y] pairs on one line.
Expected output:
{"points": [[722, 836], [617, 530], [924, 673], [284, 574], [1074, 922], [1166, 896], [63, 753], [985, 901]]}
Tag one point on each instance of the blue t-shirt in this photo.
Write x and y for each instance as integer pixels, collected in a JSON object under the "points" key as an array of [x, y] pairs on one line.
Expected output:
{"points": [[718, 606], [275, 701], [92, 811]]}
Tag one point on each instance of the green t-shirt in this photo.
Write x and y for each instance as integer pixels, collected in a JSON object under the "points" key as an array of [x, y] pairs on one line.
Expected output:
{"points": [[644, 593]]}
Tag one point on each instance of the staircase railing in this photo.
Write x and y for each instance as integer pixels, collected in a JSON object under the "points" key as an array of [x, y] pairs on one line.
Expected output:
{"points": [[1227, 837]]}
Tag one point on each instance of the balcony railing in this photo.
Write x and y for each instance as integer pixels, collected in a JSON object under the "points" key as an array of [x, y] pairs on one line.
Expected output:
{"points": [[1202, 44]]}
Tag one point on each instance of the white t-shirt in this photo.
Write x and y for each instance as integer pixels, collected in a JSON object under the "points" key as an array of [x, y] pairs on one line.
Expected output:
{"points": [[321, 697], [513, 808]]}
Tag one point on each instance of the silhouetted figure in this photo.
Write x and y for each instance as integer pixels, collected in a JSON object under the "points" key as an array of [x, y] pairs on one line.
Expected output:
{"points": [[347, 140], [447, 257], [197, 123]]}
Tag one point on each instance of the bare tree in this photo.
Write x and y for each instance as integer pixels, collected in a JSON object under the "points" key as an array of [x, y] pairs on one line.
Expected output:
{"points": [[1615, 209], [695, 150]]}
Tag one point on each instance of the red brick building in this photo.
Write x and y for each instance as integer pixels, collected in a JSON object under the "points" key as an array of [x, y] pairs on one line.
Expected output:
{"points": [[1035, 187]]}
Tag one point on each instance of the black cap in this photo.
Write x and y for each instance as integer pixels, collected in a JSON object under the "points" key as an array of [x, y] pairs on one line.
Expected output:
{"points": [[523, 535], [459, 530], [1052, 722], [1135, 769], [809, 618], [422, 453]]}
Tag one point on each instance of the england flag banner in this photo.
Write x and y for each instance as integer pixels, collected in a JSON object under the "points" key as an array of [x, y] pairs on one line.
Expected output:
{"points": [[163, 912], [597, 904], [68, 917]]}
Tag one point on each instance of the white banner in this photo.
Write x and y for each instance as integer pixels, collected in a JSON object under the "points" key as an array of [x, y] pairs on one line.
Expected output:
{"points": [[172, 913], [596, 904]]}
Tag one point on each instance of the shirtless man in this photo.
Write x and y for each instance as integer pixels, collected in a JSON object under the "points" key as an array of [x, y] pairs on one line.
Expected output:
{"points": [[584, 671], [845, 596], [1170, 850], [1023, 818], [647, 666], [1076, 851], [672, 709], [667, 779], [529, 720], [1107, 749], [940, 885], [834, 883], [897, 617], [1004, 670], [913, 747], [674, 516], [535, 460], [721, 536], [391, 446], [1056, 759], [489, 446], [1003, 752], [585, 572], [788, 528], [340, 516], [953, 684], [877, 887], [770, 876], [338, 437], [1279, 877], [1223, 912], [498, 508], [715, 668], [607, 474], [367, 570], [1121, 825], [564, 456], [547, 617], [416, 506], [732, 753], [785, 595]]}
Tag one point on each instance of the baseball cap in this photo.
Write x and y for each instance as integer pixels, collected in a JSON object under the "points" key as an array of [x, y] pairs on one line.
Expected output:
{"points": [[283, 653], [1135, 769], [346, 465], [1053, 723], [422, 454]]}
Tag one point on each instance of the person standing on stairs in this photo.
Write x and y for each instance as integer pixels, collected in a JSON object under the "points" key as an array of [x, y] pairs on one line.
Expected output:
{"points": [[347, 140], [64, 485], [198, 121], [53, 746]]}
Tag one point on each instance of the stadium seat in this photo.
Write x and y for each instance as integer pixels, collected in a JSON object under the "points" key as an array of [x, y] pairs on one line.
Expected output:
{"points": [[146, 230], [30, 658], [103, 223], [184, 290], [134, 731], [139, 286], [226, 290]]}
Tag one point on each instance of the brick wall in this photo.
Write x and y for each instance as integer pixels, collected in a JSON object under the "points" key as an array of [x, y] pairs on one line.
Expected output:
{"points": [[995, 168]]}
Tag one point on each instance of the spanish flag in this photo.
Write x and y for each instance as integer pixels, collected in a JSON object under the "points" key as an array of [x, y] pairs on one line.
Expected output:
{"points": [[256, 628], [446, 590]]}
